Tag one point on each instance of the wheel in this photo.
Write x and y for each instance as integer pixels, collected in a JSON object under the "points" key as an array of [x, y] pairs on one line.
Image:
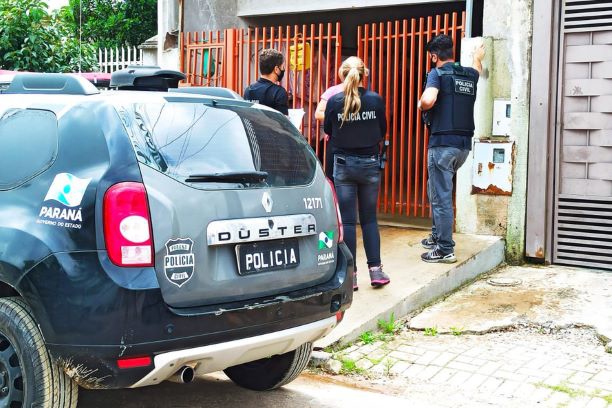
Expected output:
{"points": [[28, 377], [270, 373]]}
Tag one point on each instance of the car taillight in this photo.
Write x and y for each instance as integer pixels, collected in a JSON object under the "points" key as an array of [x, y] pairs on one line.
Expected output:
{"points": [[338, 215], [127, 225]]}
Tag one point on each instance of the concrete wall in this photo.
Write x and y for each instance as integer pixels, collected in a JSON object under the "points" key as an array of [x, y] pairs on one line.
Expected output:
{"points": [[204, 15], [508, 26]]}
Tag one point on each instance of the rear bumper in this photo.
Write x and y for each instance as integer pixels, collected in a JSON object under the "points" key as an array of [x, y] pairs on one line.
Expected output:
{"points": [[215, 357], [89, 321]]}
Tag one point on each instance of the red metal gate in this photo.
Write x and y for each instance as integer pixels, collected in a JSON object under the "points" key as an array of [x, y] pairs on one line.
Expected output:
{"points": [[393, 51], [395, 54]]}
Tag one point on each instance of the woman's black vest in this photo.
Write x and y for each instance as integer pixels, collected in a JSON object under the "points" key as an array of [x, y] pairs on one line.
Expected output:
{"points": [[453, 112]]}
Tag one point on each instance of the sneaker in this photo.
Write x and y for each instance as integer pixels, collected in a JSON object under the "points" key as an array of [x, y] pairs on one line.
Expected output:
{"points": [[355, 287], [429, 242], [436, 256], [378, 278]]}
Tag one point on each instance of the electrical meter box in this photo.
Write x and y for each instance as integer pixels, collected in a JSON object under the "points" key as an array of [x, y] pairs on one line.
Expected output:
{"points": [[502, 116], [492, 171]]}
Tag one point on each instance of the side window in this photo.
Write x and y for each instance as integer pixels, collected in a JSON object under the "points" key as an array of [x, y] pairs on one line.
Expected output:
{"points": [[28, 145]]}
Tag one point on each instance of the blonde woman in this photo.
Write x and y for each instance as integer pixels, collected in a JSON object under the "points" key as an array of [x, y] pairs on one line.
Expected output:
{"points": [[355, 120]]}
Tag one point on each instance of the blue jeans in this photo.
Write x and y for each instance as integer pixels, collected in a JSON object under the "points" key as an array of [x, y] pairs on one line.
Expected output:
{"points": [[357, 180], [442, 164]]}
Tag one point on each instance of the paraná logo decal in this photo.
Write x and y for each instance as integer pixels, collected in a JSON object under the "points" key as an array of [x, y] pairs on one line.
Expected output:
{"points": [[179, 261], [326, 240], [66, 194]]}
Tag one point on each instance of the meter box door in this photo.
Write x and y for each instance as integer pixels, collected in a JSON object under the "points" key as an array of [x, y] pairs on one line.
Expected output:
{"points": [[492, 171], [502, 117]]}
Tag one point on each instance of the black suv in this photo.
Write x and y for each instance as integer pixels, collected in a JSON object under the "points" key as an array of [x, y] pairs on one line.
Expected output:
{"points": [[147, 236]]}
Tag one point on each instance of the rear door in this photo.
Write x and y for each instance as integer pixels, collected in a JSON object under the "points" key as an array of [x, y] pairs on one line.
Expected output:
{"points": [[239, 206]]}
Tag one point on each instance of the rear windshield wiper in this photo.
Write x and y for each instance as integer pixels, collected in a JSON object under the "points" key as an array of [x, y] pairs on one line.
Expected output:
{"points": [[230, 177]]}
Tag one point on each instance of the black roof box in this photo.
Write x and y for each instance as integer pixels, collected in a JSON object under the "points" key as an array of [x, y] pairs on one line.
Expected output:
{"points": [[146, 78], [38, 83]]}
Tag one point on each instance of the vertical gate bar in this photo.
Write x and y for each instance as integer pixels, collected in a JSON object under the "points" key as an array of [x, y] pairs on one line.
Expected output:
{"points": [[256, 51], [438, 22], [182, 52], [188, 71], [426, 131], [240, 64], [411, 111], [319, 58], [419, 125], [295, 73], [359, 40], [328, 56], [200, 58], [264, 36], [303, 72], [194, 60], [397, 152], [287, 45], [446, 28], [247, 60], [391, 150], [373, 67], [313, 92], [216, 63], [338, 58], [307, 109], [381, 90], [454, 32], [272, 37], [366, 45], [463, 24]]}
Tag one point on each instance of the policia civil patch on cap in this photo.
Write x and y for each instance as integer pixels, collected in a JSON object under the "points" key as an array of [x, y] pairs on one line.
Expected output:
{"points": [[464, 87]]}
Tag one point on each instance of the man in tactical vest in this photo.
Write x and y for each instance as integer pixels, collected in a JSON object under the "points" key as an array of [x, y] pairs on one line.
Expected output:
{"points": [[448, 103], [266, 90]]}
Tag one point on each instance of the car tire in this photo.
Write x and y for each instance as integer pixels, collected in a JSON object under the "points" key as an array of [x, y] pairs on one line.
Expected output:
{"points": [[273, 372], [28, 376]]}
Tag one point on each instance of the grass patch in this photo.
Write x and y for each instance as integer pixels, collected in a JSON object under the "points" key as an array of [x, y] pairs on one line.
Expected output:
{"points": [[368, 337], [350, 367], [431, 331], [390, 326], [456, 331]]}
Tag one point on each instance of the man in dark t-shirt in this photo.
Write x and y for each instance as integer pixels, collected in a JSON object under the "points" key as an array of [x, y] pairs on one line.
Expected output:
{"points": [[266, 90], [448, 99]]}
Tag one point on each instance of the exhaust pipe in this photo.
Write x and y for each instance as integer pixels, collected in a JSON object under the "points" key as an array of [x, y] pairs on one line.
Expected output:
{"points": [[183, 376]]}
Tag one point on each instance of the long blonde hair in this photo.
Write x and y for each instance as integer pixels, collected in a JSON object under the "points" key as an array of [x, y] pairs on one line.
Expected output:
{"points": [[353, 70]]}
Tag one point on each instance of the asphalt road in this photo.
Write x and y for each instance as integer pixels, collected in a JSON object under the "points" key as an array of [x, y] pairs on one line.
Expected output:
{"points": [[217, 391]]}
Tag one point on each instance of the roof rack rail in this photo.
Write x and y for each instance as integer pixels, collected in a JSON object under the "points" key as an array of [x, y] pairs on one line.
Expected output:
{"points": [[39, 83], [146, 78]]}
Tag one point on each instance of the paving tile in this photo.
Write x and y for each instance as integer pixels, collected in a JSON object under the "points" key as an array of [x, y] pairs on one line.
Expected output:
{"points": [[443, 376], [459, 378], [443, 359], [427, 357], [462, 366], [597, 403]]}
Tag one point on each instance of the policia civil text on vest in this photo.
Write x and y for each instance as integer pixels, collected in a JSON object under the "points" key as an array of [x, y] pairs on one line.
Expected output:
{"points": [[453, 112]]}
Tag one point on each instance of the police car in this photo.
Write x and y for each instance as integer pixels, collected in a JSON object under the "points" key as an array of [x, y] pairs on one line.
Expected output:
{"points": [[151, 235]]}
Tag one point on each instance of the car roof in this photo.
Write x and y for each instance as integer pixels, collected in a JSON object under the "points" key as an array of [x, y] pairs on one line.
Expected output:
{"points": [[59, 102]]}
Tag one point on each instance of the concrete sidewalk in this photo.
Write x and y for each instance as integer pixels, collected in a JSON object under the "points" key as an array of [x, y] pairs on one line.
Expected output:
{"points": [[414, 283]]}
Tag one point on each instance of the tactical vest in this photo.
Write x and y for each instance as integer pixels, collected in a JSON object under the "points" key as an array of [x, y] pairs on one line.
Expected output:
{"points": [[453, 112]]}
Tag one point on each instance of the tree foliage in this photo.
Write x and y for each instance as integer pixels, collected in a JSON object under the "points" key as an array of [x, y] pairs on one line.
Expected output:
{"points": [[31, 39], [115, 23]]}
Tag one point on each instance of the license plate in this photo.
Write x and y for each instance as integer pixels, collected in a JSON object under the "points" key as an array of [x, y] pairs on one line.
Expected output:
{"points": [[268, 256]]}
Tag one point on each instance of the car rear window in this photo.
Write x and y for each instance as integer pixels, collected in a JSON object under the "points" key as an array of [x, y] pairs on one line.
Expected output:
{"points": [[184, 140]]}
